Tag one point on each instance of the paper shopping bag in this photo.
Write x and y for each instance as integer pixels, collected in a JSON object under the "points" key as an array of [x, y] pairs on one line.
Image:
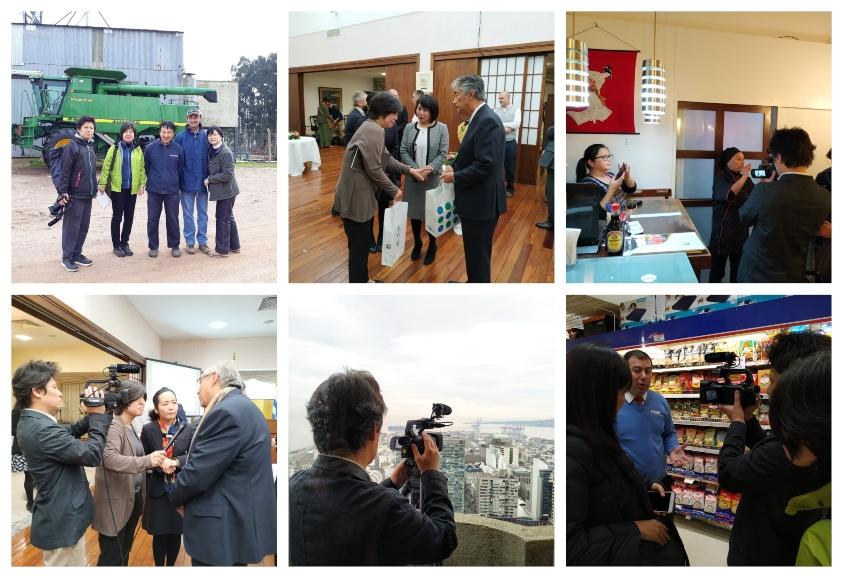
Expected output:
{"points": [[394, 233], [439, 214]]}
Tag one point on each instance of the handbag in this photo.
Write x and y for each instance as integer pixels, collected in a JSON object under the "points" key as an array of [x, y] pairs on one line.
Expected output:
{"points": [[439, 214], [394, 233]]}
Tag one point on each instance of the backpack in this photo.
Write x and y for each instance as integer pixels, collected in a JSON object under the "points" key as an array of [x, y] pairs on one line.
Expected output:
{"points": [[53, 157]]}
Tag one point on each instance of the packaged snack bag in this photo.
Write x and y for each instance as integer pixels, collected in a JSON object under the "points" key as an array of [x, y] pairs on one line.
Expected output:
{"points": [[763, 379], [688, 497], [710, 504], [711, 464], [696, 378], [690, 435], [685, 382], [680, 435], [736, 499], [709, 437], [720, 437], [699, 499], [699, 464]]}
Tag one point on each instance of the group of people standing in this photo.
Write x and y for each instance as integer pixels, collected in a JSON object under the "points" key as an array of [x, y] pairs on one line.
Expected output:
{"points": [[188, 169], [211, 485]]}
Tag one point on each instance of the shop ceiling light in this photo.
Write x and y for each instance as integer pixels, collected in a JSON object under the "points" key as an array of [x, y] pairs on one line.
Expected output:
{"points": [[653, 86], [217, 324], [576, 71], [23, 337]]}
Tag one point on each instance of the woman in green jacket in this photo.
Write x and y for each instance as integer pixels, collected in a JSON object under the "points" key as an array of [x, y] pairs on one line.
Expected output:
{"points": [[124, 176]]}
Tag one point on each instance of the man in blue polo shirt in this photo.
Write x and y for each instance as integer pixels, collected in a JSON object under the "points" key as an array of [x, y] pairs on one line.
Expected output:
{"points": [[645, 427], [164, 160]]}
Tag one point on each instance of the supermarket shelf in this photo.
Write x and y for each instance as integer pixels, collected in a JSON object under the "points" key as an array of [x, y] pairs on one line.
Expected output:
{"points": [[749, 364], [679, 476], [703, 450], [680, 395], [692, 514], [700, 423]]}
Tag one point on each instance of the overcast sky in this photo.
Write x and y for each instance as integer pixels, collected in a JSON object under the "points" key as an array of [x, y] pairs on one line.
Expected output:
{"points": [[214, 40], [486, 357]]}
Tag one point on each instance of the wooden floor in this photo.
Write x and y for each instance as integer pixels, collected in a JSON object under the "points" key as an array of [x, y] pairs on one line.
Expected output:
{"points": [[522, 253], [25, 554]]}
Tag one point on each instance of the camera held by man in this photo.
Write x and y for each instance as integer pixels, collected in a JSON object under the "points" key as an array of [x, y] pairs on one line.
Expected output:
{"points": [[723, 390]]}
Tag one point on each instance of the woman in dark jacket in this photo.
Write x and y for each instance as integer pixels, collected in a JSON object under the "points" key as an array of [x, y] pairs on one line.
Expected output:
{"points": [[159, 516], [731, 189], [223, 189], [609, 518]]}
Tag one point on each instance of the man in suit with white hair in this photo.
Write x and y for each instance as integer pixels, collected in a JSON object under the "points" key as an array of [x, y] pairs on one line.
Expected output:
{"points": [[226, 485]]}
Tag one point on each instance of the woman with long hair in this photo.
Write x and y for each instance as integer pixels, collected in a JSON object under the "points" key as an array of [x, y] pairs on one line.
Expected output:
{"points": [[595, 168]]}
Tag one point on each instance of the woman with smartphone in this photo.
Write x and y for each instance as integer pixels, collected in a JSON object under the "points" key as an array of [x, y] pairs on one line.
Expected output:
{"points": [[731, 189], [610, 520], [595, 168]]}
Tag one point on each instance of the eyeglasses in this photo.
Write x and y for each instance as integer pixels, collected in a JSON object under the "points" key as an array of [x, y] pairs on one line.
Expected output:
{"points": [[605, 157]]}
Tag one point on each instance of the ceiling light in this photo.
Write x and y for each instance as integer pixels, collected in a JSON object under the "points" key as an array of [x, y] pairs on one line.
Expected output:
{"points": [[23, 337], [383, 74], [653, 89], [217, 324]]}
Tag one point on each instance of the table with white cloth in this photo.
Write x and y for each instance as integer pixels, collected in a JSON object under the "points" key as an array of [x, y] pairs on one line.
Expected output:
{"points": [[303, 150]]}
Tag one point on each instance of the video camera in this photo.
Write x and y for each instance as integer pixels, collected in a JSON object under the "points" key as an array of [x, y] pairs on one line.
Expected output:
{"points": [[715, 391], [57, 211], [766, 170], [114, 394]]}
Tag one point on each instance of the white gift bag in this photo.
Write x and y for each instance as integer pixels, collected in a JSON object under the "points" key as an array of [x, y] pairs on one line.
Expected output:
{"points": [[439, 214], [394, 233]]}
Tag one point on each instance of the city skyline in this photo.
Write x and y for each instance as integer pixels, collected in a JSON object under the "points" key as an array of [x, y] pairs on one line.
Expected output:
{"points": [[497, 364]]}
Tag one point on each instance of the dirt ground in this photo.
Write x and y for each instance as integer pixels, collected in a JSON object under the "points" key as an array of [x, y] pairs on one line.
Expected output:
{"points": [[36, 248]]}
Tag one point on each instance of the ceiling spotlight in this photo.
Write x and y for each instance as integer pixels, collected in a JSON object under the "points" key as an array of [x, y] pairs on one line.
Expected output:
{"points": [[23, 337], [217, 324], [383, 74]]}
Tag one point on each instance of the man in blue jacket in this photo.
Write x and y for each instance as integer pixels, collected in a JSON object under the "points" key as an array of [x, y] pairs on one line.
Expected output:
{"points": [[77, 186], [194, 141], [164, 160]]}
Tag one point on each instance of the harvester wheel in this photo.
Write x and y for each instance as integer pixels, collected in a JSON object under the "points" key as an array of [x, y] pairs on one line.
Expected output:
{"points": [[56, 140]]}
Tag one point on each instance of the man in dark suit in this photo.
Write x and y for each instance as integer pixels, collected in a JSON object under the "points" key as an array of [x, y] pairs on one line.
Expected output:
{"points": [[477, 174], [356, 116], [786, 214], [546, 161], [64, 506], [226, 484], [338, 516]]}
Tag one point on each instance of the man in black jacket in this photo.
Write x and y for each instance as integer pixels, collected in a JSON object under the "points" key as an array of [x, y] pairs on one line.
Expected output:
{"points": [[356, 116], [77, 186], [763, 534], [64, 506], [477, 174], [338, 516]]}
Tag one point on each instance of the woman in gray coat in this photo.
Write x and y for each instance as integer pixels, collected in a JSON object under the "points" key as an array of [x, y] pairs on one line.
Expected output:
{"points": [[223, 189], [424, 145]]}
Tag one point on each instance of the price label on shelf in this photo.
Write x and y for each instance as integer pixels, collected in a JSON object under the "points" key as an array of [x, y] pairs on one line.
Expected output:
{"points": [[658, 337]]}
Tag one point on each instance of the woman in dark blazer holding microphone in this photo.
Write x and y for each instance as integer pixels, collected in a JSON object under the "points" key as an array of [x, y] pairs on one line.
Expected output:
{"points": [[160, 517]]}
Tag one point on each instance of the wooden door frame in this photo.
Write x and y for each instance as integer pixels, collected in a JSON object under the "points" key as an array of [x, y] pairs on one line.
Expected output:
{"points": [[56, 313], [347, 65]]}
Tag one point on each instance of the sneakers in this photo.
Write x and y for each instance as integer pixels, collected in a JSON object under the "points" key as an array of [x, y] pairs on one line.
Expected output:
{"points": [[83, 260], [215, 254], [235, 250], [176, 252], [190, 250], [127, 251], [119, 251], [205, 249], [69, 265], [153, 253]]}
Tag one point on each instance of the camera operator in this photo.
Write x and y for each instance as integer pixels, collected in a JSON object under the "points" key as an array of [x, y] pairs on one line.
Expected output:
{"points": [[338, 516], [77, 186], [63, 504], [785, 214], [762, 533], [120, 481]]}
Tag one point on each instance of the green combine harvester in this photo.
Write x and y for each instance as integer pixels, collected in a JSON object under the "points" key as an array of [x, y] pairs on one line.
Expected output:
{"points": [[59, 101]]}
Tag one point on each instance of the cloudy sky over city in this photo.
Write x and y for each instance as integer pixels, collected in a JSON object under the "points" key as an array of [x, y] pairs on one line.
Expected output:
{"points": [[487, 357], [213, 40]]}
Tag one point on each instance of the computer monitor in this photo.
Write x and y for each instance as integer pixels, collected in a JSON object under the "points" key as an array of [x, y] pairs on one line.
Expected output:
{"points": [[583, 211]]}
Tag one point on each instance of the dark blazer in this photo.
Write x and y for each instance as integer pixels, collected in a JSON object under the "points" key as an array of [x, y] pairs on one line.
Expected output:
{"points": [[64, 507], [478, 171], [222, 184], [15, 420], [728, 233], [605, 496], [339, 517], [785, 215], [159, 515], [763, 535], [226, 486], [352, 123]]}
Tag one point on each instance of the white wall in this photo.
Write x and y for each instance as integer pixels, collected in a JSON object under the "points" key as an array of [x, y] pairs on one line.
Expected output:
{"points": [[116, 315], [422, 33], [349, 81], [247, 353], [717, 67]]}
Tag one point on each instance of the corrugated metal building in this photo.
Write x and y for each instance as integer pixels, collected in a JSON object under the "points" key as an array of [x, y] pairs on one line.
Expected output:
{"points": [[146, 56]]}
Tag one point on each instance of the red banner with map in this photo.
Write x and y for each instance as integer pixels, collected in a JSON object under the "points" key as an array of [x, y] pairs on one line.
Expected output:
{"points": [[611, 94]]}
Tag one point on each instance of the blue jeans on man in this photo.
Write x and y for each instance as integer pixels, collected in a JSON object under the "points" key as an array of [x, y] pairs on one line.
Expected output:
{"points": [[188, 202]]}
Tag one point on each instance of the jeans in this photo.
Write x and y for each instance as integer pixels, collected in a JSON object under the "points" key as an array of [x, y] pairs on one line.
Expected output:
{"points": [[74, 228], [200, 201], [509, 164], [170, 203], [122, 209], [227, 238]]}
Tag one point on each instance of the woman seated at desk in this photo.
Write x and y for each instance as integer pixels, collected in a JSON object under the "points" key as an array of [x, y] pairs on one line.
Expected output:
{"points": [[594, 168]]}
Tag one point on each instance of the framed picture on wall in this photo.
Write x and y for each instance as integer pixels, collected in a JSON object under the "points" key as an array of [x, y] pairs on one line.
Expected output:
{"points": [[334, 95]]}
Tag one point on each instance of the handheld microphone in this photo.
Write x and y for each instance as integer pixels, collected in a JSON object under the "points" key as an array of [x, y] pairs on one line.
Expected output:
{"points": [[175, 435]]}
